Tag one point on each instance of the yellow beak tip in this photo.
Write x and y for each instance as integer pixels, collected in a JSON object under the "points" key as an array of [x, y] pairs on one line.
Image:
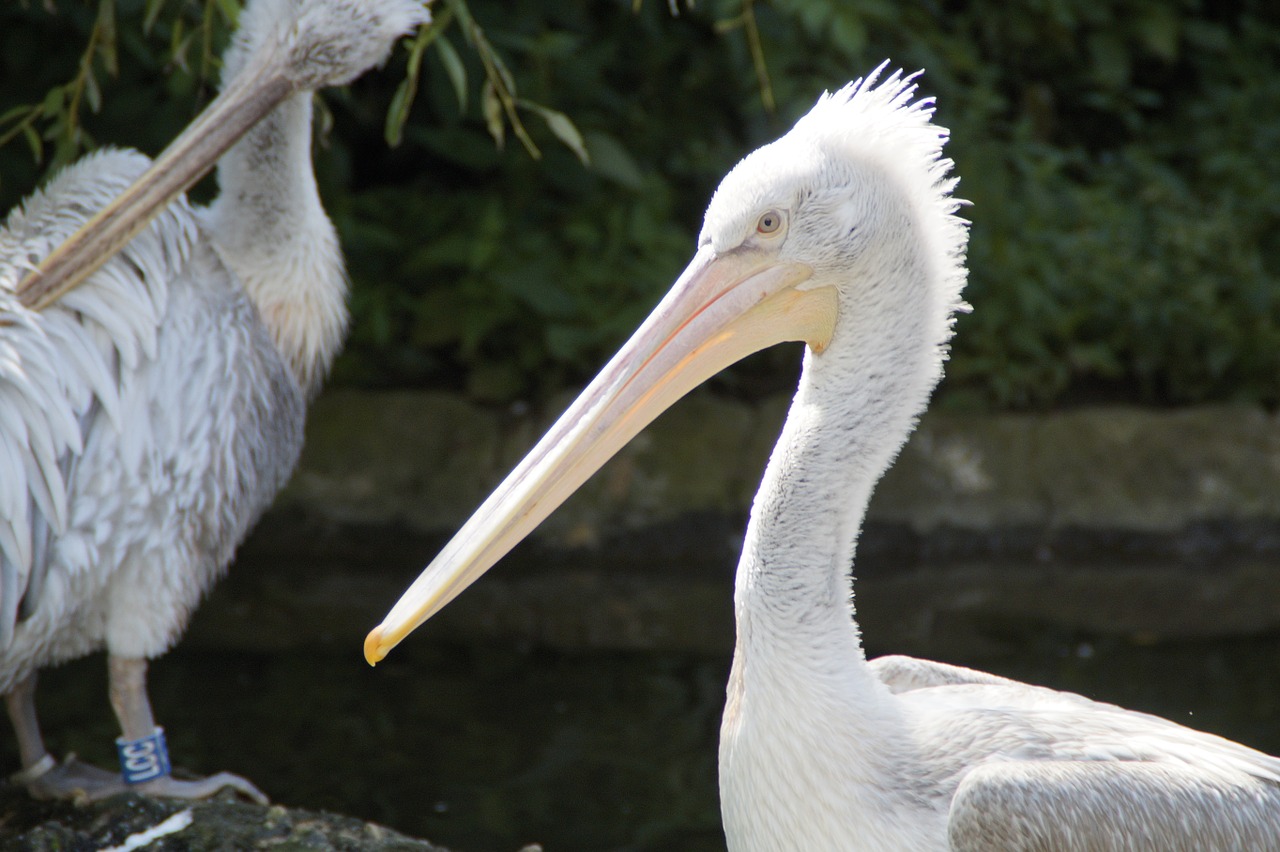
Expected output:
{"points": [[373, 648]]}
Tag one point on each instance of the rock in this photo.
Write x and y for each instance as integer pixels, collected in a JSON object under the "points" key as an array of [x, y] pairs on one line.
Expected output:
{"points": [[126, 822]]}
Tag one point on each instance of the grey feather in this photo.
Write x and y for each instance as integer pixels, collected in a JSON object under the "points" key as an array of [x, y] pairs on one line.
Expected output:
{"points": [[1111, 807], [9, 575], [40, 534]]}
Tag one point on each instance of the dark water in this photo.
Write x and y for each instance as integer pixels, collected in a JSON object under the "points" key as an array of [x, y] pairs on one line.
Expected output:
{"points": [[491, 747]]}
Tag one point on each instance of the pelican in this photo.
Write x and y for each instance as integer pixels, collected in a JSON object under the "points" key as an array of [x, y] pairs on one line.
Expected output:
{"points": [[155, 365], [844, 234]]}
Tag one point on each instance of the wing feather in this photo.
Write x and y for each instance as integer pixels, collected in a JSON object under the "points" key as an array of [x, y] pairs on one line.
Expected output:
{"points": [[40, 535], [9, 577], [903, 674], [99, 375], [59, 366], [1081, 806]]}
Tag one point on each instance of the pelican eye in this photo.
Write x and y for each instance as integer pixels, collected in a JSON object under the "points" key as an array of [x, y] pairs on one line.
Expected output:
{"points": [[769, 222]]}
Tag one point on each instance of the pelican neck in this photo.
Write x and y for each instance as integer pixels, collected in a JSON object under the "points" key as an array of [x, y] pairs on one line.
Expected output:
{"points": [[855, 407]]}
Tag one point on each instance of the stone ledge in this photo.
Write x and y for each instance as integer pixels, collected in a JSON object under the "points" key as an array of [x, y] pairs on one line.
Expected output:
{"points": [[425, 460]]}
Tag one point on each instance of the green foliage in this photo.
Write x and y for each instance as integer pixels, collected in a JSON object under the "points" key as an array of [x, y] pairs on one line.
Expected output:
{"points": [[518, 276], [1125, 205], [1119, 155], [62, 63]]}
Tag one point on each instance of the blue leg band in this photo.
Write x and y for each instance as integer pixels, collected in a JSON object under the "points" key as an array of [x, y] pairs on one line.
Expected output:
{"points": [[144, 759]]}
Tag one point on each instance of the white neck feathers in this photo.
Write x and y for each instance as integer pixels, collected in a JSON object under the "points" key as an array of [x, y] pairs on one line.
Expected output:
{"points": [[271, 229]]}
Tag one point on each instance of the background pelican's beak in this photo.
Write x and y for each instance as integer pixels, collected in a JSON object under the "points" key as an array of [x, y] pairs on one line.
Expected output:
{"points": [[721, 309], [251, 95]]}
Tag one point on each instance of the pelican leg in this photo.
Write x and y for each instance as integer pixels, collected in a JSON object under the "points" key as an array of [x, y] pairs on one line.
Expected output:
{"points": [[128, 686], [21, 704], [1111, 806], [44, 777]]}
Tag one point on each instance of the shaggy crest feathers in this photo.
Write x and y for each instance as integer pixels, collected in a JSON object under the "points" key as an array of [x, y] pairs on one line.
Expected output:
{"points": [[877, 120], [862, 125]]}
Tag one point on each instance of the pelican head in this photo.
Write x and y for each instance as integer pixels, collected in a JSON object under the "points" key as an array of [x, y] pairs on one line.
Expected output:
{"points": [[794, 244], [282, 48], [316, 44]]}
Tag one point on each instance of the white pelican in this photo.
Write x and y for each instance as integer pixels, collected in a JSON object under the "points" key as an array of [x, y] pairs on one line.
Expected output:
{"points": [[844, 234], [150, 415]]}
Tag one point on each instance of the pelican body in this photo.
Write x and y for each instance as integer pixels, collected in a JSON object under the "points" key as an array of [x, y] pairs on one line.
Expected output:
{"points": [[844, 234], [155, 365]]}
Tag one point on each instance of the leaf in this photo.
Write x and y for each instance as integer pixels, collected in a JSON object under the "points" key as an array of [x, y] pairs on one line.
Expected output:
{"points": [[34, 143], [179, 44], [107, 37], [459, 8], [611, 160], [20, 110], [53, 101], [493, 60], [499, 95], [92, 93], [1109, 60], [563, 128], [1160, 29], [567, 132], [230, 12], [398, 113], [492, 108], [151, 14], [402, 101], [455, 70]]}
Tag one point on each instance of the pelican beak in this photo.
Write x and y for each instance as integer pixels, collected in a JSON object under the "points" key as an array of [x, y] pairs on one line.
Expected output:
{"points": [[251, 95], [721, 309]]}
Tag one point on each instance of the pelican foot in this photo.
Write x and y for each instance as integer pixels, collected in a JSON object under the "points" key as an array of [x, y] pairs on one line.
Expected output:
{"points": [[77, 781], [72, 779], [203, 788]]}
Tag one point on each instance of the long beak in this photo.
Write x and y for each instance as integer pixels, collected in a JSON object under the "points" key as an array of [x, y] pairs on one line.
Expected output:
{"points": [[250, 96], [720, 310]]}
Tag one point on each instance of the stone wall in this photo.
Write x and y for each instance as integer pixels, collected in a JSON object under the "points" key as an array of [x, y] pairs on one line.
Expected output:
{"points": [[425, 460]]}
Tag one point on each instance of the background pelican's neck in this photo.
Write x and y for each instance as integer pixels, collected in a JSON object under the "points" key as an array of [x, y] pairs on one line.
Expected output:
{"points": [[272, 231]]}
